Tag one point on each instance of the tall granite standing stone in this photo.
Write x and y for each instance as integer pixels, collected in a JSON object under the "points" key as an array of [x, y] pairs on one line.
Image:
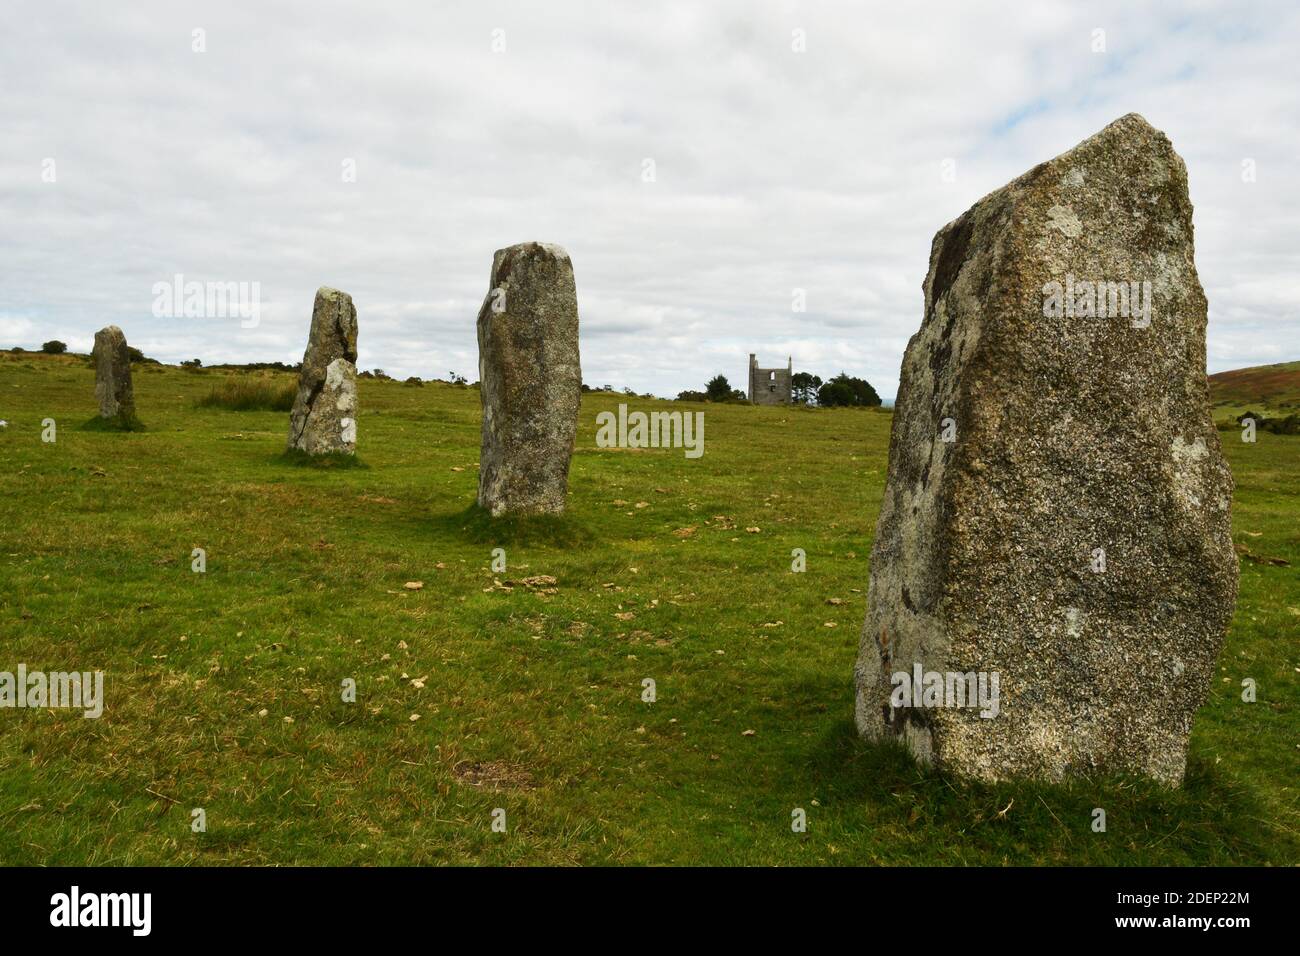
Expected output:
{"points": [[113, 389], [531, 380], [324, 416], [1056, 511]]}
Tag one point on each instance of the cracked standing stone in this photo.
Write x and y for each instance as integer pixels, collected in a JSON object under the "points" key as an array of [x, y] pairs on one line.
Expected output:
{"points": [[324, 416]]}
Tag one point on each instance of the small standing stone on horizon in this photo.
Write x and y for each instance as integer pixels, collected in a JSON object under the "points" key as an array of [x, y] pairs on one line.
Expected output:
{"points": [[113, 389], [1056, 519], [531, 380], [324, 416]]}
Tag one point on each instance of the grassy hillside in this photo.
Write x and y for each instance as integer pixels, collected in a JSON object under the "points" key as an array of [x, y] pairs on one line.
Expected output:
{"points": [[1270, 390], [481, 691]]}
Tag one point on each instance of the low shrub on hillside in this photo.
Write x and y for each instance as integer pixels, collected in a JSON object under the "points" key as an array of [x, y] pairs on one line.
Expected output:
{"points": [[251, 395], [1288, 425]]}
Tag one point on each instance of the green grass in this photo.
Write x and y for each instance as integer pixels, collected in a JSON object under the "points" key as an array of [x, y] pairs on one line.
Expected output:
{"points": [[252, 393], [531, 700], [334, 459], [123, 421], [1269, 390]]}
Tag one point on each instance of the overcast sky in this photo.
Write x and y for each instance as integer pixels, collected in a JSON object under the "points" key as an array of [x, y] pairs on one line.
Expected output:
{"points": [[774, 169]]}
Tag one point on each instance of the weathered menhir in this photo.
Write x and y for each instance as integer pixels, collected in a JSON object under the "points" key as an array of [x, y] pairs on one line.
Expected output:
{"points": [[530, 380], [324, 416], [113, 389], [1057, 504]]}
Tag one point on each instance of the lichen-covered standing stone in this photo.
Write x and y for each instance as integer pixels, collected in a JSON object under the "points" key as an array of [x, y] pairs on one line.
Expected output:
{"points": [[324, 416], [531, 380], [113, 388], [1072, 535]]}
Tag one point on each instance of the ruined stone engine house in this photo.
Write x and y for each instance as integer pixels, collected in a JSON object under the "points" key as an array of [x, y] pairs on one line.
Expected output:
{"points": [[770, 386]]}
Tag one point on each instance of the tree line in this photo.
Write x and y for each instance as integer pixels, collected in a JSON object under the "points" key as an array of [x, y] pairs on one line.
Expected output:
{"points": [[843, 390]]}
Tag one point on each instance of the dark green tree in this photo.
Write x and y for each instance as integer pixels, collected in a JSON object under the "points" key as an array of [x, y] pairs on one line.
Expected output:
{"points": [[718, 389], [845, 390], [803, 387]]}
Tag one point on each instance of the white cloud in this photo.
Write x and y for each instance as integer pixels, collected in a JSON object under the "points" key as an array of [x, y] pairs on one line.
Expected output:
{"points": [[775, 169]]}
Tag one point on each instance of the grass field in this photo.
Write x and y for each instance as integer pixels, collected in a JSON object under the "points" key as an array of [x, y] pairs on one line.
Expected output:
{"points": [[478, 691], [1270, 390]]}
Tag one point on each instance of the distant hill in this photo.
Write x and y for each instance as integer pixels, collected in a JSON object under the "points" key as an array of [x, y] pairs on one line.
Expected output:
{"points": [[1268, 389]]}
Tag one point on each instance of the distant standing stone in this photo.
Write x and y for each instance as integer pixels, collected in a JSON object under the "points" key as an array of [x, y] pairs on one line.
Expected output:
{"points": [[531, 380], [1057, 505], [324, 416], [113, 388]]}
